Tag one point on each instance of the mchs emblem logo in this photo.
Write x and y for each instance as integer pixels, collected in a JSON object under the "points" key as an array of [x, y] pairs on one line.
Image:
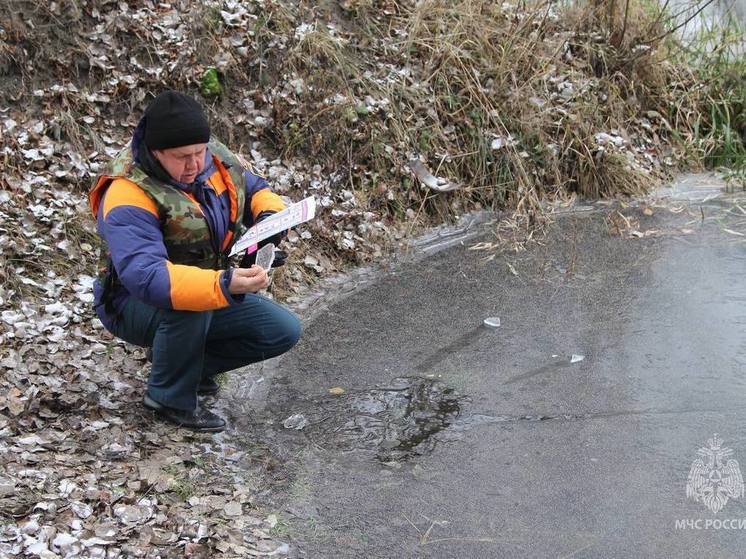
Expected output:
{"points": [[712, 479]]}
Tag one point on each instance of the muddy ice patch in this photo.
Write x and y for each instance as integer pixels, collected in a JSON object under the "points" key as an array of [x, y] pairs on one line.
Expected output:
{"points": [[408, 416]]}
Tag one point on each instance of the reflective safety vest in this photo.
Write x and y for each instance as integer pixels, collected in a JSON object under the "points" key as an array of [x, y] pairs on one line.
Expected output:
{"points": [[186, 233]]}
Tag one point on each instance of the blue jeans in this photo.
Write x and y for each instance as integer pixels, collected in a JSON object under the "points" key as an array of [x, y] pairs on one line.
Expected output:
{"points": [[189, 346]]}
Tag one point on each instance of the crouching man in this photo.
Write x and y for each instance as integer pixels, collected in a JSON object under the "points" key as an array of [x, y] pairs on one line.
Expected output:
{"points": [[169, 208]]}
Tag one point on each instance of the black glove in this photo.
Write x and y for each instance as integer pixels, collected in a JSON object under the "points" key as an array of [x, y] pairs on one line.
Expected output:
{"points": [[274, 239], [249, 260]]}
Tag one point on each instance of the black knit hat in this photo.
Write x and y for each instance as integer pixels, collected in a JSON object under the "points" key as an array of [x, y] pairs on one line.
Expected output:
{"points": [[173, 120]]}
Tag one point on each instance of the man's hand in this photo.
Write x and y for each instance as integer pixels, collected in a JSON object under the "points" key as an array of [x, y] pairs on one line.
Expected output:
{"points": [[248, 280]]}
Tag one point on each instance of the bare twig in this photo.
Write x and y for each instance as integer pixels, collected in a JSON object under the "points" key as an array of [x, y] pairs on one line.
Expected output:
{"points": [[679, 26]]}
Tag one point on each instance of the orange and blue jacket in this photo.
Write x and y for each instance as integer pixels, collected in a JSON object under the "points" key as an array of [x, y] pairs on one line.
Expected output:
{"points": [[129, 221]]}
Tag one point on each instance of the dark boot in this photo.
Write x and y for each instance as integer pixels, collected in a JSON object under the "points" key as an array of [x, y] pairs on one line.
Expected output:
{"points": [[200, 419]]}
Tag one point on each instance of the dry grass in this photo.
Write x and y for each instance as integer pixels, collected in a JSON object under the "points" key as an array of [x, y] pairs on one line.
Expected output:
{"points": [[477, 71], [506, 100]]}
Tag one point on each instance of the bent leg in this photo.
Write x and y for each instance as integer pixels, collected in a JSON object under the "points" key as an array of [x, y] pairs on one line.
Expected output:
{"points": [[252, 331], [178, 342]]}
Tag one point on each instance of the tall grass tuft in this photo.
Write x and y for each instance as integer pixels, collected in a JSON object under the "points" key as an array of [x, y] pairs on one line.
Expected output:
{"points": [[508, 100], [717, 56]]}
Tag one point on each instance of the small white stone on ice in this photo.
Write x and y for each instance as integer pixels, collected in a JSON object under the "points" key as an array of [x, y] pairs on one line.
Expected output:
{"points": [[296, 421]]}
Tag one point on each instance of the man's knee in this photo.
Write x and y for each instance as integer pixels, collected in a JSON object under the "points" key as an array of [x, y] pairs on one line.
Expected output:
{"points": [[281, 338], [291, 333]]}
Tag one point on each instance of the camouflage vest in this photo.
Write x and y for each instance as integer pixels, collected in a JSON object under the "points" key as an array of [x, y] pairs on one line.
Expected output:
{"points": [[186, 234]]}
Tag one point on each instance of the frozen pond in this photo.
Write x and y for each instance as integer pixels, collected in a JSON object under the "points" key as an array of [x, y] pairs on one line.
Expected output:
{"points": [[571, 429]]}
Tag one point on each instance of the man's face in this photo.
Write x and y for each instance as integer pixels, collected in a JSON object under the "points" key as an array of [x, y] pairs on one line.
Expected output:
{"points": [[183, 163]]}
